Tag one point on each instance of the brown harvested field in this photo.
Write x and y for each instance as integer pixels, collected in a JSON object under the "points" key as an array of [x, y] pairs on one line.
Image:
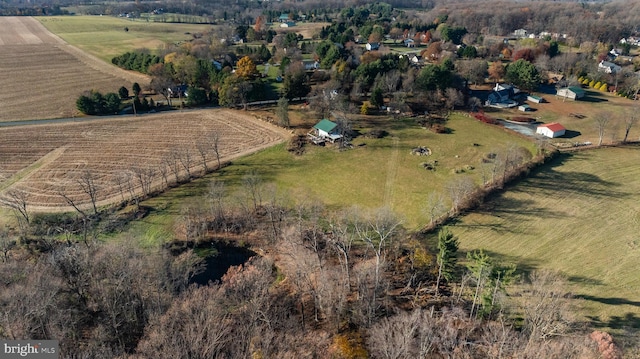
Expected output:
{"points": [[46, 160], [42, 76]]}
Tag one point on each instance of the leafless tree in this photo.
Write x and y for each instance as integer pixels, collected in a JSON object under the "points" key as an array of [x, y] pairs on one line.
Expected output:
{"points": [[601, 120], [89, 187], [453, 98], [395, 337], [377, 230], [203, 149], [17, 201], [252, 184], [163, 170], [629, 121], [391, 81], [121, 179], [145, 176], [461, 191], [215, 194], [435, 206], [546, 309], [6, 243], [214, 137], [186, 160], [172, 160]]}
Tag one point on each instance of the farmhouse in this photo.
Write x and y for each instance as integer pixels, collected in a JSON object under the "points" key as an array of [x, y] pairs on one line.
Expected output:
{"points": [[371, 46], [608, 67], [326, 130], [409, 43], [310, 65], [551, 130], [573, 92], [288, 24], [502, 96]]}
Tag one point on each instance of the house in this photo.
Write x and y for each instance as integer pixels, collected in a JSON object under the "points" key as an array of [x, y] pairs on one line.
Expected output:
{"points": [[178, 91], [415, 59], [551, 130], [525, 108], [608, 67], [284, 18], [502, 96], [372, 46], [310, 65], [288, 24], [409, 43], [520, 33], [572, 92], [327, 130], [535, 99]]}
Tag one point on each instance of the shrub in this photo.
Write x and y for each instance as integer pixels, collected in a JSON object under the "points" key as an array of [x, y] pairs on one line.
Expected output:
{"points": [[604, 87], [597, 85], [592, 83]]}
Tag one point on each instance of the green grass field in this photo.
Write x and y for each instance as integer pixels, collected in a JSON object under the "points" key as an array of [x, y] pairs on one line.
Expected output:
{"points": [[105, 37], [579, 215], [375, 173]]}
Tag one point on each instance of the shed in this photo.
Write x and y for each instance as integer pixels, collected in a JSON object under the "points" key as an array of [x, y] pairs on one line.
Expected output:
{"points": [[551, 130], [573, 92], [327, 129], [525, 108], [535, 99]]}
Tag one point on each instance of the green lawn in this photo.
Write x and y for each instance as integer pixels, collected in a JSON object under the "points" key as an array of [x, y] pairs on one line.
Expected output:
{"points": [[105, 36], [580, 215]]}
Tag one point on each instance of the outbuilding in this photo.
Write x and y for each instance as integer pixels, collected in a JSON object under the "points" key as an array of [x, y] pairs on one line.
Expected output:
{"points": [[525, 108], [551, 130], [535, 99], [328, 130], [573, 92]]}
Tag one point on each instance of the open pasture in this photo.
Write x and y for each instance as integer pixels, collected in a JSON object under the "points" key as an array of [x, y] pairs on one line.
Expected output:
{"points": [[42, 76], [579, 215], [105, 36], [48, 160]]}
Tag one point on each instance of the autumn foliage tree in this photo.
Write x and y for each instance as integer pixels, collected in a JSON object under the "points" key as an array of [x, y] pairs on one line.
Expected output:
{"points": [[246, 68]]}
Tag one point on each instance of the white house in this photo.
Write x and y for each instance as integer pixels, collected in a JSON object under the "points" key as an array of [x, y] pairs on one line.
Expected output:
{"points": [[409, 43], [551, 130], [573, 92], [608, 67], [520, 33], [310, 65], [288, 24], [326, 129]]}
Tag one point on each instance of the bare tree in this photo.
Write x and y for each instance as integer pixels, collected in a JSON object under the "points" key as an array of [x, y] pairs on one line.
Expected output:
{"points": [[88, 185], [145, 176], [252, 183], [18, 202], [435, 206], [377, 231], [164, 173], [186, 160], [395, 337], [601, 120], [214, 137], [172, 160], [203, 150], [6, 243], [461, 191], [121, 181], [629, 121], [545, 306]]}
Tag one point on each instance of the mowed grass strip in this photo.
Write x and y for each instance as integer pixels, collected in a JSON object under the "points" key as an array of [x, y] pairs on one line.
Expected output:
{"points": [[579, 215], [105, 36]]}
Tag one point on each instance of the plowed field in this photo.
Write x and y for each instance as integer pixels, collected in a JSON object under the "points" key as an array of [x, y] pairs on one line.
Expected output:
{"points": [[42, 76], [48, 160]]}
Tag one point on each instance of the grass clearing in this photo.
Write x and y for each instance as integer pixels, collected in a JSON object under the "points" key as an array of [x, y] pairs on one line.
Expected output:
{"points": [[578, 215], [375, 173], [105, 37]]}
